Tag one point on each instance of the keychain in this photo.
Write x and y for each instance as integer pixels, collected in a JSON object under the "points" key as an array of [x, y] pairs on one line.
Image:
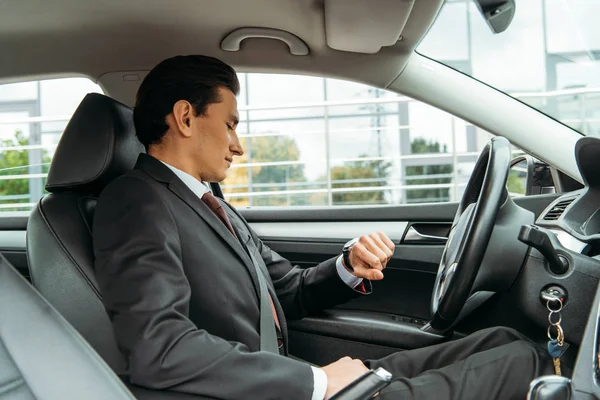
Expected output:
{"points": [[556, 346]]}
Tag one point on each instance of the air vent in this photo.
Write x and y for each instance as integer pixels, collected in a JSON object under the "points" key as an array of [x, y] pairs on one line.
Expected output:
{"points": [[558, 210]]}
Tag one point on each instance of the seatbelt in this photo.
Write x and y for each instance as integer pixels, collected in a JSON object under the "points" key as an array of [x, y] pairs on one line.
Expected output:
{"points": [[268, 335]]}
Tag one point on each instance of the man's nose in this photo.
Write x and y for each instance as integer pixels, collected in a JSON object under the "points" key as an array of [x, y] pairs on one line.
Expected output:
{"points": [[236, 147]]}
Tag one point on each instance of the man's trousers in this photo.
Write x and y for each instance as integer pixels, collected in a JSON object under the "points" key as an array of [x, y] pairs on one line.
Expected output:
{"points": [[495, 363]]}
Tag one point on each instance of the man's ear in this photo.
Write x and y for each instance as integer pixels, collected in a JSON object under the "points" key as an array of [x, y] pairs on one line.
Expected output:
{"points": [[181, 117]]}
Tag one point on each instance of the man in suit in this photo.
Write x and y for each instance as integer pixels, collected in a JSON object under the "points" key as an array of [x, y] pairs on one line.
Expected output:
{"points": [[185, 280]]}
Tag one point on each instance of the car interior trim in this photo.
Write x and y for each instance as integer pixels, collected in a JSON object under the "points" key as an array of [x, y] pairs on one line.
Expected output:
{"points": [[233, 40], [328, 231], [13, 239]]}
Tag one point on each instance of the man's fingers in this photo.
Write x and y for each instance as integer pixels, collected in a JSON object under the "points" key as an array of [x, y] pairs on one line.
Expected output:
{"points": [[363, 270], [370, 255], [382, 246], [387, 241], [376, 247], [374, 275], [365, 256]]}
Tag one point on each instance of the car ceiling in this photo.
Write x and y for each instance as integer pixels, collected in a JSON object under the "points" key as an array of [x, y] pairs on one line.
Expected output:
{"points": [[41, 38]]}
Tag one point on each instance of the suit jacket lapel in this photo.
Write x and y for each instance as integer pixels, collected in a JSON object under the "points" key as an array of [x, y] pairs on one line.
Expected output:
{"points": [[160, 172]]}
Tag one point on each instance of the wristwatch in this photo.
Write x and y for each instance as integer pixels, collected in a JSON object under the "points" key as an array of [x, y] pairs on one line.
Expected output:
{"points": [[346, 253]]}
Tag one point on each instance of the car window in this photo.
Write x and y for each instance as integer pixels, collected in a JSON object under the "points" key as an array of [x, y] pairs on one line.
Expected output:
{"points": [[312, 141], [549, 57], [308, 141], [33, 116]]}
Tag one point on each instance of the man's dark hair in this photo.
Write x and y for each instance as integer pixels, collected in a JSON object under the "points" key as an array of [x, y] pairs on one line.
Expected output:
{"points": [[194, 78]]}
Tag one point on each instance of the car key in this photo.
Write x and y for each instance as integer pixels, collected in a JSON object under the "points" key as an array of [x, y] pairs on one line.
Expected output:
{"points": [[365, 386]]}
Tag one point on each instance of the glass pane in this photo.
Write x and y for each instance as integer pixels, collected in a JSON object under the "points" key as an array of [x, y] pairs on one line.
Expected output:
{"points": [[344, 143], [279, 162], [549, 57], [430, 129], [33, 116], [448, 38], [271, 90], [376, 101], [357, 183], [517, 179], [353, 137], [13, 92]]}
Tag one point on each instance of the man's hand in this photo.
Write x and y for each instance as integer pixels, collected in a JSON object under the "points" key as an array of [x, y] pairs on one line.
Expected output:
{"points": [[341, 373], [370, 255]]}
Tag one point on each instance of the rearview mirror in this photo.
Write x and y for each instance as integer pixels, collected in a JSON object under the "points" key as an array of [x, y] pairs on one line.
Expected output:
{"points": [[497, 13]]}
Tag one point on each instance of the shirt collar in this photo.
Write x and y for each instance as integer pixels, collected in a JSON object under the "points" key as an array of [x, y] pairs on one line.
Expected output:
{"points": [[199, 188]]}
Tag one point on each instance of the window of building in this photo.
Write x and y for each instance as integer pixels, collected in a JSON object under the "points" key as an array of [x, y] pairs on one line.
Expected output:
{"points": [[312, 141], [33, 116]]}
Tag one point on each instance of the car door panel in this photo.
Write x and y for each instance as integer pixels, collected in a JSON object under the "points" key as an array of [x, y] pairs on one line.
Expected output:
{"points": [[402, 298], [325, 338]]}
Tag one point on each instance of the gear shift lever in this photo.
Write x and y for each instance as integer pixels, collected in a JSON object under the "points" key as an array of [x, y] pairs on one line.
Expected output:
{"points": [[550, 387]]}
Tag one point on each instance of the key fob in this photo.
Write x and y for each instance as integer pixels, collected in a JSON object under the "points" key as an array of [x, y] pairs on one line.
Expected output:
{"points": [[365, 386]]}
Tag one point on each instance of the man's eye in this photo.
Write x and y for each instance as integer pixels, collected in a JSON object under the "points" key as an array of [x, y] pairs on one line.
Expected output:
{"points": [[229, 127]]}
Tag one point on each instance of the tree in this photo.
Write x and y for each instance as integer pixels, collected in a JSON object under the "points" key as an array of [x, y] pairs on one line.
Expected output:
{"points": [[515, 183], [270, 178], [420, 146], [15, 162], [358, 174]]}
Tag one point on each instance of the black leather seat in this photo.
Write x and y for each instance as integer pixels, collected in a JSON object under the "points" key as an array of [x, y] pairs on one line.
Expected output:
{"points": [[97, 146], [41, 355]]}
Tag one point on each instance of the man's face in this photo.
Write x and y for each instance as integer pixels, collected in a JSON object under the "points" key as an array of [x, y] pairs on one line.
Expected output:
{"points": [[214, 138]]}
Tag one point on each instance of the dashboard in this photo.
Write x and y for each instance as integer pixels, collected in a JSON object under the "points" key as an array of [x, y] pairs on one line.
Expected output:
{"points": [[578, 213], [574, 219]]}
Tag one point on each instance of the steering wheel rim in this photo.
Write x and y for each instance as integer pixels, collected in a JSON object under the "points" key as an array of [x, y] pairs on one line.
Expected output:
{"points": [[470, 234]]}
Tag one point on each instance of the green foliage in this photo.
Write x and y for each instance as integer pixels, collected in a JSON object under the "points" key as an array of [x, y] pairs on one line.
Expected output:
{"points": [[359, 171], [10, 161], [265, 178], [420, 146], [515, 183], [276, 148]]}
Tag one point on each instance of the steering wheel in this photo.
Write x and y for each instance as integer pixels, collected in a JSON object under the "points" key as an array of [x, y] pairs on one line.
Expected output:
{"points": [[470, 234]]}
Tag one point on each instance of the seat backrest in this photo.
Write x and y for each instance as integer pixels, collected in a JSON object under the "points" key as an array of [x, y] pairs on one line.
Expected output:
{"points": [[97, 146], [41, 355]]}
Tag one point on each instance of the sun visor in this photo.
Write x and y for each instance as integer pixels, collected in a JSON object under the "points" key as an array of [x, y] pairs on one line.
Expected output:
{"points": [[365, 26]]}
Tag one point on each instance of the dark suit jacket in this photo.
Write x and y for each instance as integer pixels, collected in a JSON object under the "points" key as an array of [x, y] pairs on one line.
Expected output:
{"points": [[182, 293]]}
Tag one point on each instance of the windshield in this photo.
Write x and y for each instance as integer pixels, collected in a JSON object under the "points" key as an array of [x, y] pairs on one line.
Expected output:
{"points": [[549, 57]]}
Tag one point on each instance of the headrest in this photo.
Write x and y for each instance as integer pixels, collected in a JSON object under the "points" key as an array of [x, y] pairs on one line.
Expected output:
{"points": [[98, 145]]}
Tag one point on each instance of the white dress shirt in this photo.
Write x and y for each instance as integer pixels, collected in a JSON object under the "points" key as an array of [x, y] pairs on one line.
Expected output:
{"points": [[320, 377]]}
